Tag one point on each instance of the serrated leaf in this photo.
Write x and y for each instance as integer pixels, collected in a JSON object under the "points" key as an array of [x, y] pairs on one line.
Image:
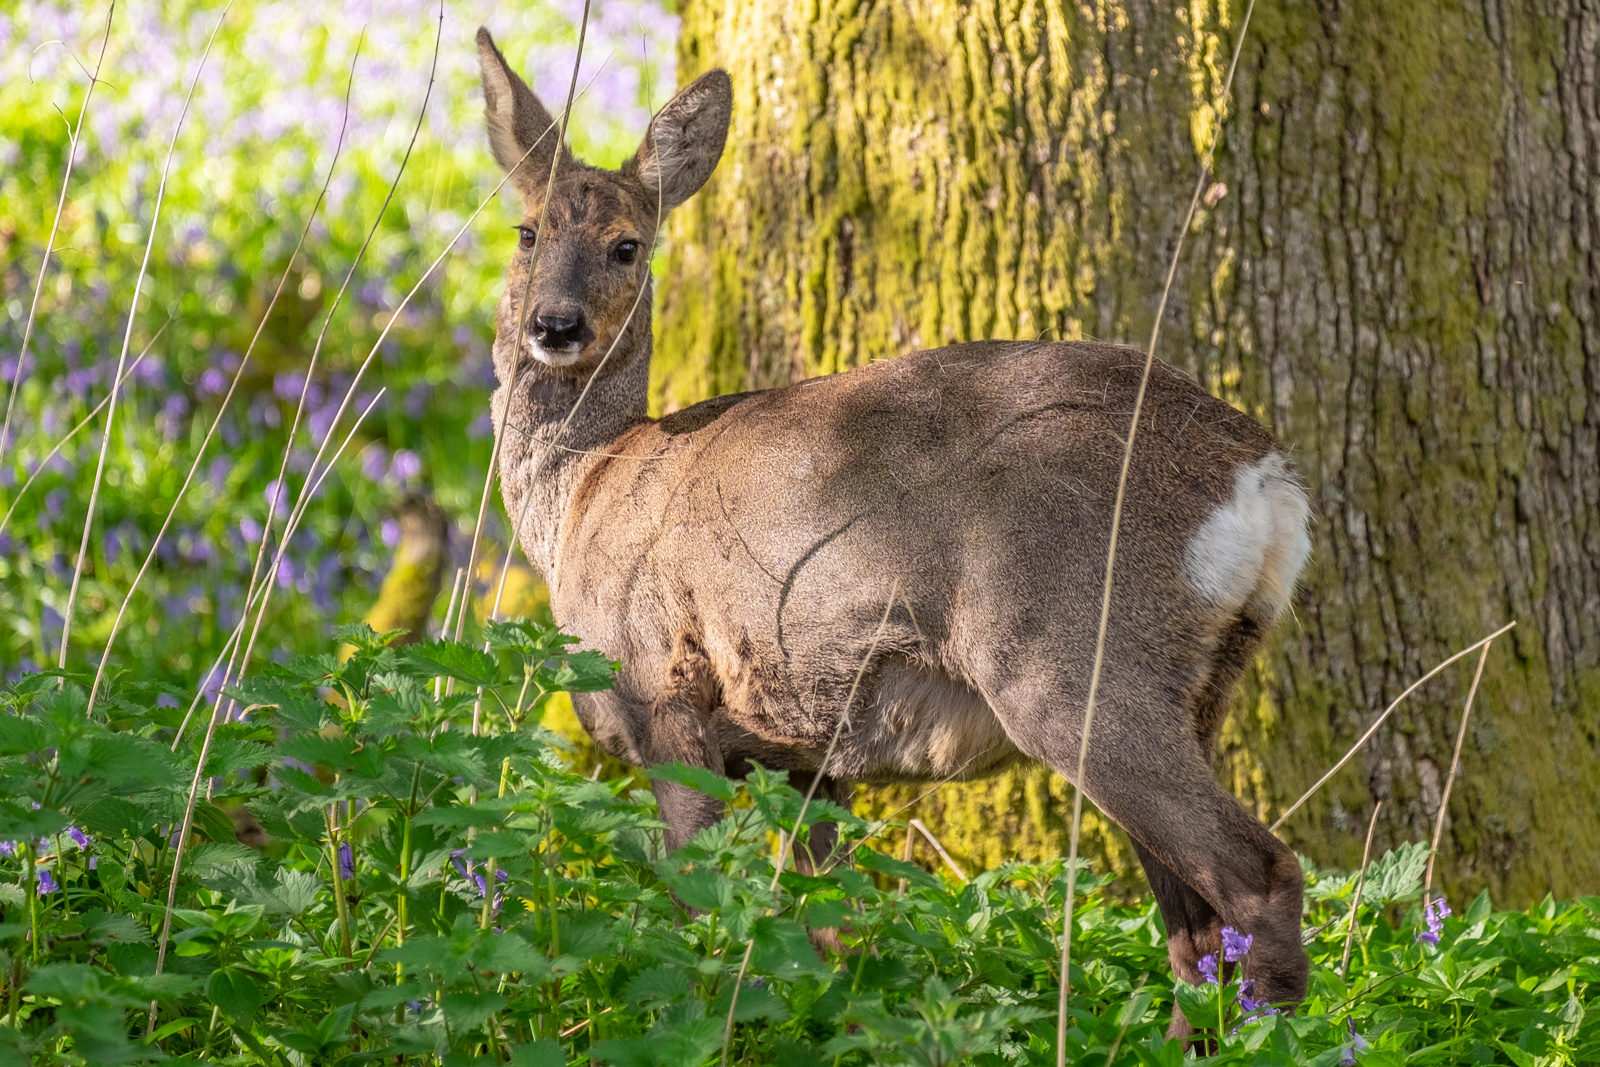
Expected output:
{"points": [[235, 992], [1397, 875], [215, 824], [783, 949], [541, 1053], [467, 1011], [696, 778], [450, 659]]}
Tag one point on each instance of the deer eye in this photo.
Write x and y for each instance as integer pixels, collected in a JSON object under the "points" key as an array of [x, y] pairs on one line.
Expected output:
{"points": [[626, 251], [526, 236]]}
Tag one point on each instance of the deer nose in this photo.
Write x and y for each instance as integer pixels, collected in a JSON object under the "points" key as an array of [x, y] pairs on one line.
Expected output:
{"points": [[557, 331]]}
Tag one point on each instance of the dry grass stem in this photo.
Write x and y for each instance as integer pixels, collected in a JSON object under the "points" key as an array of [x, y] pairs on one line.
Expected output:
{"points": [[249, 604], [939, 848], [227, 399], [522, 321], [50, 241], [70, 434], [1361, 881], [1309, 793], [1111, 557], [1455, 765], [127, 338]]}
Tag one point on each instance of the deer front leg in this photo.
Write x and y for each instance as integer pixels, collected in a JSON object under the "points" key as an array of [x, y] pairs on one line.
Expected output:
{"points": [[680, 732]]}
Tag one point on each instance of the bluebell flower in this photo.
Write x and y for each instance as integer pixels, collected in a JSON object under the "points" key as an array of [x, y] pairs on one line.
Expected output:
{"points": [[347, 862], [1357, 1042], [78, 836], [1235, 946], [1434, 915], [47, 883], [1208, 967]]}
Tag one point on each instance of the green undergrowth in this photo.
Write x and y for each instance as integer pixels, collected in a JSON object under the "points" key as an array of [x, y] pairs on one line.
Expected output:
{"points": [[437, 887]]}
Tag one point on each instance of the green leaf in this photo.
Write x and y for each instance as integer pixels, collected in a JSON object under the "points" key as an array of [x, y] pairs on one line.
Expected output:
{"points": [[696, 778], [468, 1011], [235, 992], [214, 823], [541, 1053], [783, 949], [450, 659], [687, 1044], [869, 860], [1397, 875]]}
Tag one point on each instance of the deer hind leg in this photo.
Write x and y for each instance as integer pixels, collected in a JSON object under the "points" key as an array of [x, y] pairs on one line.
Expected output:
{"points": [[680, 732], [1146, 771], [1193, 928]]}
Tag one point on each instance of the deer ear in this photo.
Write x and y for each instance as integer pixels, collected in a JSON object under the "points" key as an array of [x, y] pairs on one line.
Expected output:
{"points": [[685, 139], [516, 119]]}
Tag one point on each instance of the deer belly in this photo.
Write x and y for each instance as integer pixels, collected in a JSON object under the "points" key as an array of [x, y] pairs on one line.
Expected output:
{"points": [[924, 725]]}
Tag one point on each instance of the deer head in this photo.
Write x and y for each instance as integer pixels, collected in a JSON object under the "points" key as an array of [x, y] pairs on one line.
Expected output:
{"points": [[577, 302]]}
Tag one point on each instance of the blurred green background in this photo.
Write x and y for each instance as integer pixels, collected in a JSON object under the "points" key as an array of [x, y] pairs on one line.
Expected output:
{"points": [[267, 116]]}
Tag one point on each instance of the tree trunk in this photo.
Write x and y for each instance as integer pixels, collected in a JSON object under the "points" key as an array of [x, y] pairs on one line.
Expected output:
{"points": [[1396, 267]]}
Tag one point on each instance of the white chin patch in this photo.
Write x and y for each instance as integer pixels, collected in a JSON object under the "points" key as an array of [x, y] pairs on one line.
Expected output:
{"points": [[1251, 548], [564, 358]]}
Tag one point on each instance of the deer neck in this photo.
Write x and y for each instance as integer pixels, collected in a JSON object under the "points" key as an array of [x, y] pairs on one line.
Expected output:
{"points": [[542, 465]]}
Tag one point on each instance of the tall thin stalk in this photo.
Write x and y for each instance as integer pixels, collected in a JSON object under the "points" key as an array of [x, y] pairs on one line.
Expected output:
{"points": [[522, 325], [1364, 738], [1455, 764], [70, 434], [1361, 881], [127, 338], [55, 225], [238, 375], [1111, 554]]}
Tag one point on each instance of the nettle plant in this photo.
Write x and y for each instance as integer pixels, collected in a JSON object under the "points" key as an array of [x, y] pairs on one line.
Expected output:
{"points": [[435, 885]]}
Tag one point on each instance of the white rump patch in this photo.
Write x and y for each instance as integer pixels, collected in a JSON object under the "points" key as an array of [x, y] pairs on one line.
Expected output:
{"points": [[1251, 548]]}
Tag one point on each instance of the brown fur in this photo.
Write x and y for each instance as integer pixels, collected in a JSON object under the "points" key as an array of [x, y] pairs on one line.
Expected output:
{"points": [[737, 556]]}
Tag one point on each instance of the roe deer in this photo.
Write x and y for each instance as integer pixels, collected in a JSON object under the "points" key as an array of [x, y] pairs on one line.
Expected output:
{"points": [[737, 556]]}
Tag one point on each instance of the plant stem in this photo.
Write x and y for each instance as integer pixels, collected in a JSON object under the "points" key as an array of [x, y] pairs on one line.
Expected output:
{"points": [[339, 901]]}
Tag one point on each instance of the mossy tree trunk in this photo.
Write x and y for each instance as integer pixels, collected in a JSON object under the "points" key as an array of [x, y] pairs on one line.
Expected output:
{"points": [[1398, 270]]}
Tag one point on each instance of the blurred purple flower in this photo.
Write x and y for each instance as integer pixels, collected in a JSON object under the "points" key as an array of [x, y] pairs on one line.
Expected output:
{"points": [[480, 427], [374, 461], [250, 530], [390, 532], [52, 507], [166, 700], [287, 385], [347, 862], [286, 573], [78, 836], [277, 497], [212, 382], [1208, 967], [462, 865], [47, 883], [1235, 946], [405, 466], [9, 848], [94, 863]]}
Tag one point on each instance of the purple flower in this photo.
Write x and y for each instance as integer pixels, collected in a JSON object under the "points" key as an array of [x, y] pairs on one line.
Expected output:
{"points": [[212, 381], [47, 883], [1434, 915], [1357, 1042], [9, 848], [94, 862], [1235, 946], [1208, 967], [347, 862], [79, 836], [1248, 1002], [390, 532], [405, 465], [277, 497], [462, 865], [374, 461], [250, 529]]}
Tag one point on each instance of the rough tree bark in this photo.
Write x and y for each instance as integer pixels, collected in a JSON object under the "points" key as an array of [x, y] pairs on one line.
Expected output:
{"points": [[1398, 270]]}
